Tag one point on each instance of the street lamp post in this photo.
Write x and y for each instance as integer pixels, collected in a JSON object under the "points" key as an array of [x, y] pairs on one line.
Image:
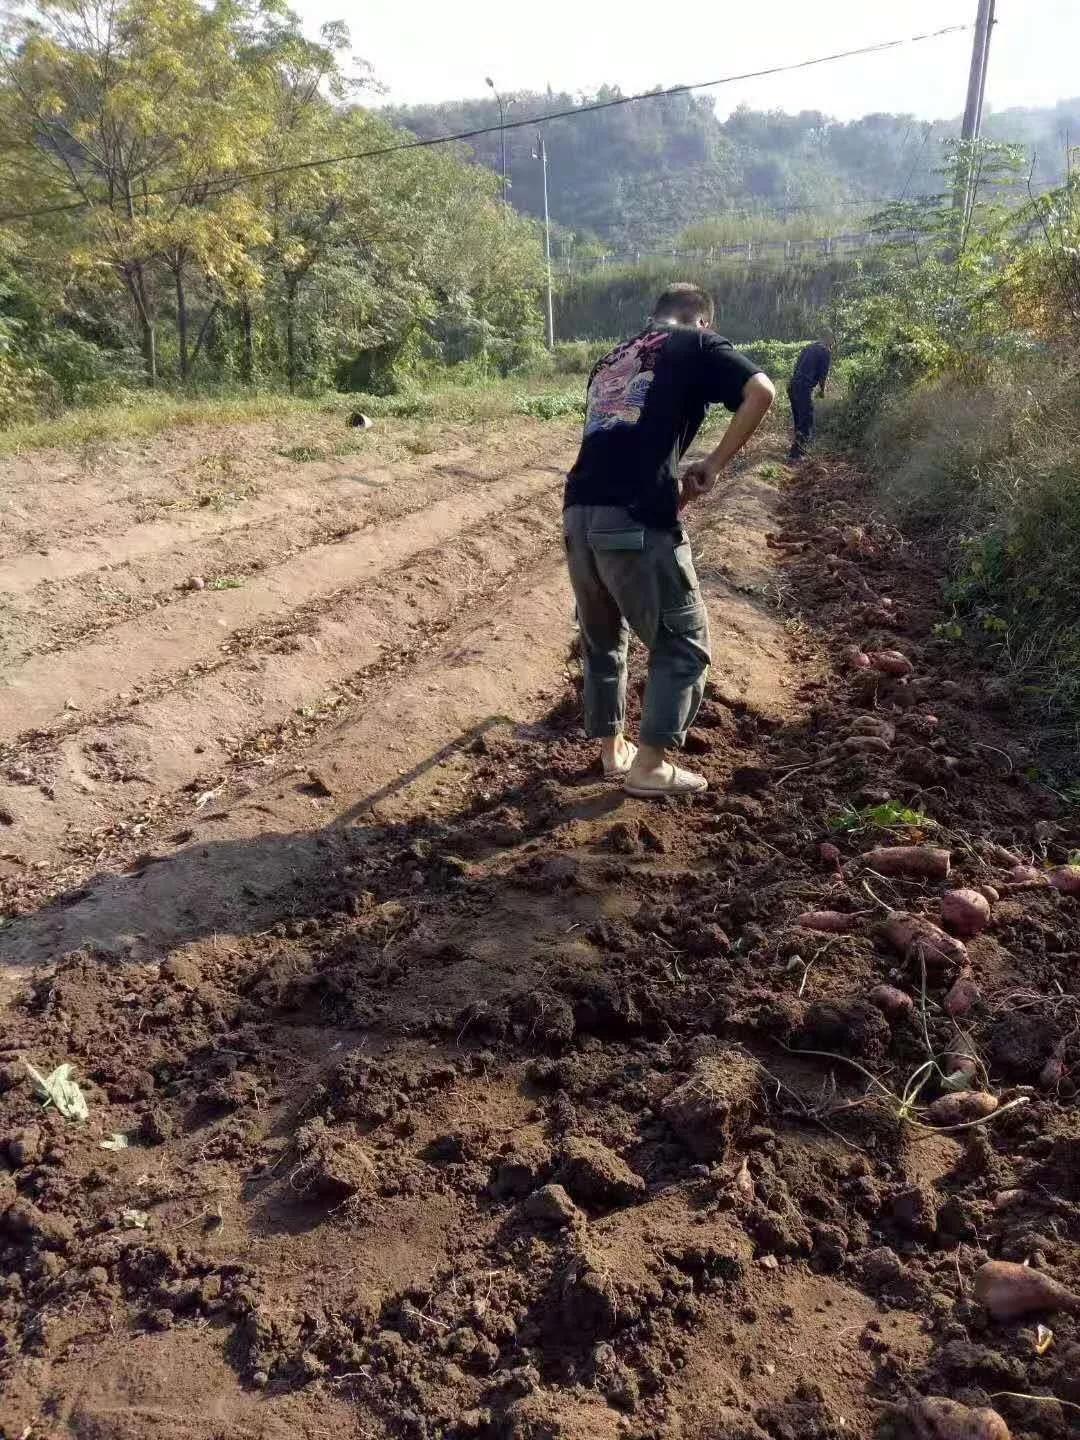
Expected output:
{"points": [[502, 136], [541, 155]]}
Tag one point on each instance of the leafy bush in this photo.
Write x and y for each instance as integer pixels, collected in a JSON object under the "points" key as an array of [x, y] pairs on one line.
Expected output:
{"points": [[577, 357], [776, 357], [751, 299], [558, 405], [25, 390], [959, 395]]}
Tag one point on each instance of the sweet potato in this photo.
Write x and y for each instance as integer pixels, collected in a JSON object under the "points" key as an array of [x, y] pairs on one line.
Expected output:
{"points": [[935, 1418], [1026, 875], [1006, 1199], [961, 1108], [861, 745], [858, 659], [962, 997], [1009, 1291], [894, 1004], [957, 1062], [1050, 1075], [830, 854], [873, 725], [965, 912], [1066, 878], [832, 922], [1000, 856], [921, 941], [891, 662], [880, 615], [989, 894], [914, 862]]}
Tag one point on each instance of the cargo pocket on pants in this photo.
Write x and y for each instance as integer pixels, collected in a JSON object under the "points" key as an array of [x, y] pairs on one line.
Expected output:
{"points": [[629, 539], [684, 559], [689, 621]]}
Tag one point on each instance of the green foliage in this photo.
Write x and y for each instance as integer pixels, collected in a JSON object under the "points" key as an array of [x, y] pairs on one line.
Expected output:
{"points": [[577, 357], [133, 117], [960, 396], [930, 302], [556, 406], [750, 227], [751, 300], [776, 357], [888, 816]]}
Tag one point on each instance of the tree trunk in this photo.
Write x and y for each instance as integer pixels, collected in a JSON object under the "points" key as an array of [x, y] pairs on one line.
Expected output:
{"points": [[247, 359], [136, 281], [149, 350], [290, 334], [182, 324], [204, 330]]}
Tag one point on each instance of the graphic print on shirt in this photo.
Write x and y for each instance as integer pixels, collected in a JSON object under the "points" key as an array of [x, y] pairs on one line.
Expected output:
{"points": [[620, 384]]}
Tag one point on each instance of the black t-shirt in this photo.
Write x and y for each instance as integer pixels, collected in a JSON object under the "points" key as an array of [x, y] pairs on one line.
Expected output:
{"points": [[646, 401], [812, 366]]}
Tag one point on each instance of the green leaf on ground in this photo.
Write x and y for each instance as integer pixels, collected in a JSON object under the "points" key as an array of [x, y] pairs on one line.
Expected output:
{"points": [[57, 1088]]}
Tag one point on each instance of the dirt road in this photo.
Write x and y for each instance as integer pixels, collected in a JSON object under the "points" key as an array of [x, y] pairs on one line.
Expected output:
{"points": [[460, 1097]]}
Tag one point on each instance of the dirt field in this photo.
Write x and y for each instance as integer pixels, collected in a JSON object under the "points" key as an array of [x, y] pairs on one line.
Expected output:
{"points": [[460, 1096]]}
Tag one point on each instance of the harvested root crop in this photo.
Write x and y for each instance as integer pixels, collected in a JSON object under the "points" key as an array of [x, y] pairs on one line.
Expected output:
{"points": [[1009, 1291]]}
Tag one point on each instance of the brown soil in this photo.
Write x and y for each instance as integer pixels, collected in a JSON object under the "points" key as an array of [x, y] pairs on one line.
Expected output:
{"points": [[462, 1096]]}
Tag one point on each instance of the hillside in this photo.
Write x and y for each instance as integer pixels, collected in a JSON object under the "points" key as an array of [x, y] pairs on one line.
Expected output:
{"points": [[639, 174]]}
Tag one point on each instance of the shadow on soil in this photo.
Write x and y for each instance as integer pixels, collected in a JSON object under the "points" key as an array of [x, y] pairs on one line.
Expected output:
{"points": [[245, 886]]}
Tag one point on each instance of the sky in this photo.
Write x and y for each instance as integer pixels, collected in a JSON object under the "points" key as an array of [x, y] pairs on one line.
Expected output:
{"points": [[425, 50]]}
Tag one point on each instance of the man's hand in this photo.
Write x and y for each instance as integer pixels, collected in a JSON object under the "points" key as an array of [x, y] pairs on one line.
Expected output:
{"points": [[696, 481], [700, 477]]}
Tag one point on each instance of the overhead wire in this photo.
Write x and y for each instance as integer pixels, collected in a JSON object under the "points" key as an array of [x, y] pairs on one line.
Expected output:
{"points": [[228, 182]]}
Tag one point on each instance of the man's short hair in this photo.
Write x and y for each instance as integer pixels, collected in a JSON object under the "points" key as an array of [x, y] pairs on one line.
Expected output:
{"points": [[685, 304]]}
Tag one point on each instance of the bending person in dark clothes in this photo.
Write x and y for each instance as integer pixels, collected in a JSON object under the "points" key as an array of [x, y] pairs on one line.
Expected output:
{"points": [[630, 560], [811, 371]]}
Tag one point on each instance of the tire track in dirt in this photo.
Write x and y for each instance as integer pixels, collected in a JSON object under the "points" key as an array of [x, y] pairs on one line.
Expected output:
{"points": [[58, 616], [130, 504], [110, 771], [152, 652]]}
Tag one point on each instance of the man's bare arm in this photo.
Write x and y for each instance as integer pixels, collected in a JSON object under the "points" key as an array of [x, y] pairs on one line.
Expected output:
{"points": [[758, 394]]}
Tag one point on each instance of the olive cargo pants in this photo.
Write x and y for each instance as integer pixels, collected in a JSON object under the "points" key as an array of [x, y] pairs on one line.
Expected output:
{"points": [[628, 577]]}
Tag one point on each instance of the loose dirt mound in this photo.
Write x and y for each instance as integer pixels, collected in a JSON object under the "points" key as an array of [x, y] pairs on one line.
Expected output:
{"points": [[542, 1117]]}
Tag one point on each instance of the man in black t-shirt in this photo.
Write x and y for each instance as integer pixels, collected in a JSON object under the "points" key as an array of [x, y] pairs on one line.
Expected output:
{"points": [[811, 369], [630, 559]]}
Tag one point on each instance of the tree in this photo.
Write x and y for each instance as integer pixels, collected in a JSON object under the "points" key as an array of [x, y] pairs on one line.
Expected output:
{"points": [[195, 158], [131, 111]]}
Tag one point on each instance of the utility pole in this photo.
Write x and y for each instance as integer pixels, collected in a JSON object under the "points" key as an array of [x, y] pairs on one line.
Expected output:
{"points": [[990, 23], [541, 151], [976, 92], [980, 51]]}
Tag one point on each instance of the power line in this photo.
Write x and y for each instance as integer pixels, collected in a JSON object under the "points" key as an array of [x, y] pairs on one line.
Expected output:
{"points": [[227, 182]]}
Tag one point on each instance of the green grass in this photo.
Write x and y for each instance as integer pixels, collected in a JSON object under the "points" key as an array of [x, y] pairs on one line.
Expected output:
{"points": [[302, 454], [442, 398], [148, 415]]}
